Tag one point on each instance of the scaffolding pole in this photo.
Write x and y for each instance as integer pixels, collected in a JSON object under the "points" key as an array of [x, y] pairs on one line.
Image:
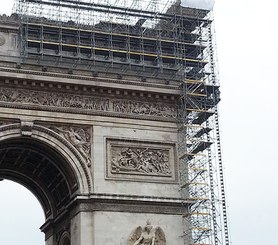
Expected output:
{"points": [[151, 39]]}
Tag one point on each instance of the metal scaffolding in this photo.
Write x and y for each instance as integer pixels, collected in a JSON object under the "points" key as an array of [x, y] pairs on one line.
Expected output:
{"points": [[147, 37], [151, 39], [201, 172]]}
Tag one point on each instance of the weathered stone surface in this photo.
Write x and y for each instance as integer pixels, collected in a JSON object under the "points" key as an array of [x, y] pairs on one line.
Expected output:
{"points": [[99, 152], [87, 104], [120, 226]]}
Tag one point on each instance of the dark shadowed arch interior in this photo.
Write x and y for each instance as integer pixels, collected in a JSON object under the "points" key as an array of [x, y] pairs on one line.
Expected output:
{"points": [[65, 241], [41, 169]]}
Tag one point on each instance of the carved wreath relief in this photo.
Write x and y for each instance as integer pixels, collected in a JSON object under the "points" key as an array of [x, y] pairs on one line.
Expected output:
{"points": [[140, 160], [147, 236]]}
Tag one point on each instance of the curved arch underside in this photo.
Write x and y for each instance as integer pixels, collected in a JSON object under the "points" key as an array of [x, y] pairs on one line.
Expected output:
{"points": [[41, 169]]}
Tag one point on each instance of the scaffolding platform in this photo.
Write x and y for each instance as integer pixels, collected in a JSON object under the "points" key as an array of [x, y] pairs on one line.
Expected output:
{"points": [[123, 40], [149, 39]]}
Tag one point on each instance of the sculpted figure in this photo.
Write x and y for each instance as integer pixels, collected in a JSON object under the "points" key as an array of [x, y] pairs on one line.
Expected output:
{"points": [[78, 138], [78, 141], [147, 236], [142, 160]]}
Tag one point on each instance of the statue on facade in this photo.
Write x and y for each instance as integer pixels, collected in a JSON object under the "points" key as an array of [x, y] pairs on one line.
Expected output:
{"points": [[147, 236]]}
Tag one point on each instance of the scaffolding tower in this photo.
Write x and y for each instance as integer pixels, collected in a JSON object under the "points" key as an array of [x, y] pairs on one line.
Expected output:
{"points": [[153, 39]]}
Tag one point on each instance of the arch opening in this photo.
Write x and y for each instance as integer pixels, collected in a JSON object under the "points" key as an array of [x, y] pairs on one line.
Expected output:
{"points": [[41, 169], [21, 215]]}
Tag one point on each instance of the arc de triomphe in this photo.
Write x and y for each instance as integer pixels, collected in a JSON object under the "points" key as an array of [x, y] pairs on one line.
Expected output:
{"points": [[98, 151]]}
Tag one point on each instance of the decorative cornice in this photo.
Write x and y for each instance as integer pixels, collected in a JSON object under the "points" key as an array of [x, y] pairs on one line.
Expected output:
{"points": [[102, 78], [94, 88], [132, 204], [9, 23], [132, 198], [13, 18]]}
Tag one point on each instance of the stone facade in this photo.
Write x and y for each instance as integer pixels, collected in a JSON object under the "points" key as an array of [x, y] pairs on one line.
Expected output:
{"points": [[109, 146]]}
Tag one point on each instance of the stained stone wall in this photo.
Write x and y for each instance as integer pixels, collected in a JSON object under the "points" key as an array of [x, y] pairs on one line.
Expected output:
{"points": [[146, 182], [114, 226], [117, 135]]}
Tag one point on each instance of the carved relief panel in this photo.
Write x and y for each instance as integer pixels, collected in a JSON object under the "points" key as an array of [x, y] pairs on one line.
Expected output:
{"points": [[78, 137], [85, 104], [140, 160]]}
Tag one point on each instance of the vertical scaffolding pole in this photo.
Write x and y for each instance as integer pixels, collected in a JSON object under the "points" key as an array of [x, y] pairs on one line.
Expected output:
{"points": [[174, 43], [223, 226], [207, 218]]}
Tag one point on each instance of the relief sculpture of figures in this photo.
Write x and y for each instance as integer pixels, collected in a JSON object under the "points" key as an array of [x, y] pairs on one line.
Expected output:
{"points": [[24, 96], [88, 103], [146, 161], [79, 138], [147, 236]]}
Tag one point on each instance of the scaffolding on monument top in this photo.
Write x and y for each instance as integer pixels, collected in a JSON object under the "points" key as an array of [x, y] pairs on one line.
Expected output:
{"points": [[150, 37], [157, 39], [91, 12]]}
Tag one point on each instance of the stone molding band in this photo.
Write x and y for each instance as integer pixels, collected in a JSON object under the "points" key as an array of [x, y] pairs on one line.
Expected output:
{"points": [[116, 205]]}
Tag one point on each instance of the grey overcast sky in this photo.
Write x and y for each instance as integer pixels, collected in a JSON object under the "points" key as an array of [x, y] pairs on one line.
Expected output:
{"points": [[246, 32]]}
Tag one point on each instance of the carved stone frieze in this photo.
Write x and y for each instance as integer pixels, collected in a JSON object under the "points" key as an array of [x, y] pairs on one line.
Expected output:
{"points": [[80, 138], [140, 160], [2, 40], [86, 104], [144, 108]]}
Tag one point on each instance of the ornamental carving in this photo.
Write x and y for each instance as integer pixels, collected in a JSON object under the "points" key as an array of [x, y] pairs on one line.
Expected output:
{"points": [[7, 122], [9, 19], [2, 40], [143, 108], [147, 235], [79, 137], [86, 104], [140, 160]]}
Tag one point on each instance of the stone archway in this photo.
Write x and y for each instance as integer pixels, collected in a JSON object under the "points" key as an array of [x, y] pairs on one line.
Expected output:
{"points": [[40, 169], [50, 167], [65, 239]]}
